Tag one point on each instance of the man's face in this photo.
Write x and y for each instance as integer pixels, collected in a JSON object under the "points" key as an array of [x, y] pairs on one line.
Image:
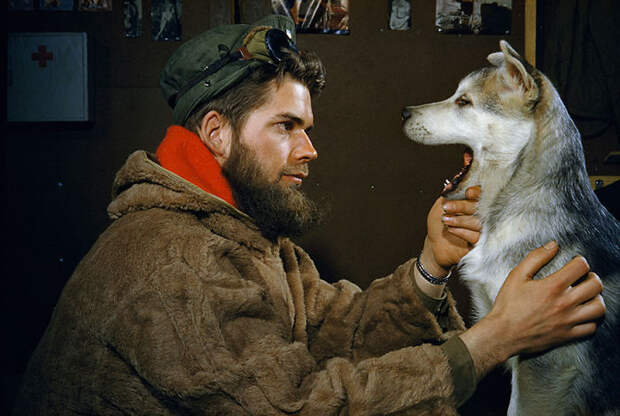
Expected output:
{"points": [[269, 161], [277, 132]]}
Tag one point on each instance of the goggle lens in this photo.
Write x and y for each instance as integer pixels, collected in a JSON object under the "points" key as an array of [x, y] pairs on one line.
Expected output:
{"points": [[276, 41]]}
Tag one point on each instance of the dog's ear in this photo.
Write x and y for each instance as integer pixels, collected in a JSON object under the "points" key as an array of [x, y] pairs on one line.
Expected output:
{"points": [[516, 71], [508, 50], [496, 58]]}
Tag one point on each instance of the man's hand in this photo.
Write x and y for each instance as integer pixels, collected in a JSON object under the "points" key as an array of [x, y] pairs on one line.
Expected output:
{"points": [[531, 316], [452, 230]]}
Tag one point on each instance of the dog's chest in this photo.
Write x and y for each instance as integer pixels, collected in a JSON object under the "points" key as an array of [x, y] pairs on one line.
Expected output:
{"points": [[484, 270]]}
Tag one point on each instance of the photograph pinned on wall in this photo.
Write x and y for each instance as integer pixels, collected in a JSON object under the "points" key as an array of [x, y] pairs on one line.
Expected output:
{"points": [[400, 15], [17, 5], [132, 18], [95, 5], [316, 16], [166, 17], [56, 5], [486, 17]]}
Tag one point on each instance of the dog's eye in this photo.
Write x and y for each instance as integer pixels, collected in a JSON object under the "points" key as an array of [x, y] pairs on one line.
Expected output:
{"points": [[462, 101]]}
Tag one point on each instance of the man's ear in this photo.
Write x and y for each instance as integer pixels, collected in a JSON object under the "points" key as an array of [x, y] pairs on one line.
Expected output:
{"points": [[216, 133]]}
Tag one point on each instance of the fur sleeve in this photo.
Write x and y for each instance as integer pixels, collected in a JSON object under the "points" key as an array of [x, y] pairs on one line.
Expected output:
{"points": [[215, 345], [344, 321]]}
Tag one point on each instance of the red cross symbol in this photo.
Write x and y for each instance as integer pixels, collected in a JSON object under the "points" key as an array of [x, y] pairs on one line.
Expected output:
{"points": [[42, 56]]}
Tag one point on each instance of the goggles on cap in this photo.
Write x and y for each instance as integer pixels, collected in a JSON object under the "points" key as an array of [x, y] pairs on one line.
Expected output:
{"points": [[263, 43]]}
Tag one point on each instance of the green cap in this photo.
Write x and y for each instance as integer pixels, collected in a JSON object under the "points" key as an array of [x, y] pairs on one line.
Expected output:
{"points": [[189, 60]]}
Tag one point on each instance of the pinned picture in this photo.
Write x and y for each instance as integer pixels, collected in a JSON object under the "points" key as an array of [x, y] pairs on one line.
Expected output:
{"points": [[316, 16], [400, 15], [95, 5], [488, 17], [56, 4], [166, 15], [132, 18], [16, 5]]}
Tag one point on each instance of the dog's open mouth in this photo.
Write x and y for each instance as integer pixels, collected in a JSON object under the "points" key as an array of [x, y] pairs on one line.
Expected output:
{"points": [[452, 184]]}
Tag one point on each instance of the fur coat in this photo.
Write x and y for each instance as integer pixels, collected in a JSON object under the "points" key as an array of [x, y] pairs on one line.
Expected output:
{"points": [[183, 307]]}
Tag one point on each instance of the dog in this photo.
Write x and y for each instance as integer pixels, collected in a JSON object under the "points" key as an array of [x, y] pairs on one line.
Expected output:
{"points": [[525, 152]]}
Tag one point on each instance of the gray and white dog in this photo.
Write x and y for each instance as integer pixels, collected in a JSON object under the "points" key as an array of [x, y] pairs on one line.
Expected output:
{"points": [[525, 152]]}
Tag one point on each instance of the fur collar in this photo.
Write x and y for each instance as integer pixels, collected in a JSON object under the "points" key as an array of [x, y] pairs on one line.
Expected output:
{"points": [[142, 184]]}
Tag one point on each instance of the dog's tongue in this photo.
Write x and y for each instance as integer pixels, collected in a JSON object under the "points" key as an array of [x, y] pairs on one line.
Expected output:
{"points": [[467, 157]]}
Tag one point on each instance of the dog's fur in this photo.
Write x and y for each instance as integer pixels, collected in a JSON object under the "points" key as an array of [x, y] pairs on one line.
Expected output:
{"points": [[528, 159]]}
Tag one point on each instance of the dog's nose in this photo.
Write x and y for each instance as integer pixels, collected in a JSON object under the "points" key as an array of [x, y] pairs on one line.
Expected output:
{"points": [[405, 114]]}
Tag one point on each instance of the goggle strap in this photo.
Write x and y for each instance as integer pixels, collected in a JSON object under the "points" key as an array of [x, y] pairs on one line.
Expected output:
{"points": [[245, 54]]}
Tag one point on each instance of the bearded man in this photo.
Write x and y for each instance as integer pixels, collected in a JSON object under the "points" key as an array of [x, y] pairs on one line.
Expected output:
{"points": [[195, 300]]}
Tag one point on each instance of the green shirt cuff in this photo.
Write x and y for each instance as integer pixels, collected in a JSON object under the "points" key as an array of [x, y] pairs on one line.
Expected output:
{"points": [[462, 368], [435, 305]]}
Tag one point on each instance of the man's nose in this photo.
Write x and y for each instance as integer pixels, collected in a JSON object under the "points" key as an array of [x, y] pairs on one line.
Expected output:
{"points": [[304, 150], [405, 114]]}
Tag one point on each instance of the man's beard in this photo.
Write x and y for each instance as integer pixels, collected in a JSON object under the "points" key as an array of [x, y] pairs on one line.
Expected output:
{"points": [[277, 209]]}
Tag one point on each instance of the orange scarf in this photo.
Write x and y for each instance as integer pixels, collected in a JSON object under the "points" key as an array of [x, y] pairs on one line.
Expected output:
{"points": [[183, 153]]}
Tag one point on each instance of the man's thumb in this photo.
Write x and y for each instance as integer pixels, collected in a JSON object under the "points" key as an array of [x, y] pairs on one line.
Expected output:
{"points": [[536, 259]]}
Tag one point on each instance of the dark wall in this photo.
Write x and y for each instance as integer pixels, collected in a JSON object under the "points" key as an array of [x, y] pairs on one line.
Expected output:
{"points": [[57, 178]]}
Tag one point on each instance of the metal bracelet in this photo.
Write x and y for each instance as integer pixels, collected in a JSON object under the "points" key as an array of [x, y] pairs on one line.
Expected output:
{"points": [[430, 278]]}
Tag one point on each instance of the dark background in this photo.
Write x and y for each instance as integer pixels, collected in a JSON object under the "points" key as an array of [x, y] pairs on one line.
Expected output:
{"points": [[57, 177]]}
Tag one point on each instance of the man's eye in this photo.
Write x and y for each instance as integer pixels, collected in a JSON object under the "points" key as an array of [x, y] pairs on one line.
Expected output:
{"points": [[462, 101], [288, 125]]}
